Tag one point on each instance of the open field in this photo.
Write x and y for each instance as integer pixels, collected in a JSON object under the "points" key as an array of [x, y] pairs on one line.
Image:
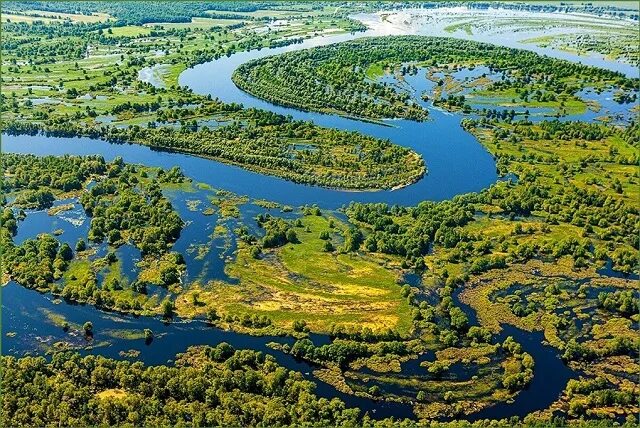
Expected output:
{"points": [[30, 16], [302, 282]]}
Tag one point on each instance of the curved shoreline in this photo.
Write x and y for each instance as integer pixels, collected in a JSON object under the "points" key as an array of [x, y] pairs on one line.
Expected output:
{"points": [[456, 162], [209, 170], [536, 396], [243, 86]]}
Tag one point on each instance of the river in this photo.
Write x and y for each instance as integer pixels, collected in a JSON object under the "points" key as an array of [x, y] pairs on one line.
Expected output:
{"points": [[456, 163]]}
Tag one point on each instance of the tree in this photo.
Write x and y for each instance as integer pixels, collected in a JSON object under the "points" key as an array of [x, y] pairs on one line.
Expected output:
{"points": [[212, 315], [300, 325], [88, 328], [291, 236], [167, 308], [111, 257], [352, 239], [65, 252], [479, 334], [459, 320]]}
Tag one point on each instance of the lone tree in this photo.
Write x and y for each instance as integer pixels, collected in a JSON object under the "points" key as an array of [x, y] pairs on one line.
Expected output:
{"points": [[167, 308], [88, 328], [148, 335], [212, 315]]}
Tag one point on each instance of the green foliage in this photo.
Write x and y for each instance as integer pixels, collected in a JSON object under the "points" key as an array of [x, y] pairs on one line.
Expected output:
{"points": [[35, 199], [209, 386], [88, 328], [212, 315], [341, 352], [623, 302], [353, 238], [277, 231], [64, 173], [333, 78], [430, 222], [148, 335], [588, 394], [119, 210], [32, 262], [81, 245], [267, 143], [167, 308]]}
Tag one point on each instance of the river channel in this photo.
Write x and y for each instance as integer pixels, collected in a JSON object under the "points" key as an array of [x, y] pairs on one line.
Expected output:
{"points": [[456, 164]]}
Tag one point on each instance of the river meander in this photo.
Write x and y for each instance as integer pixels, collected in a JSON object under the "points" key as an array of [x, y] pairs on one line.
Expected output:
{"points": [[456, 163]]}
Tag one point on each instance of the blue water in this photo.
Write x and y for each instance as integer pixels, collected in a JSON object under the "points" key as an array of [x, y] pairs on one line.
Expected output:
{"points": [[511, 39], [73, 224], [23, 313], [550, 373], [456, 164], [455, 161]]}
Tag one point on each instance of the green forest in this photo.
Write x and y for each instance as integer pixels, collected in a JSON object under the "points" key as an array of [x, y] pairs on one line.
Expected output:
{"points": [[337, 78], [276, 241]]}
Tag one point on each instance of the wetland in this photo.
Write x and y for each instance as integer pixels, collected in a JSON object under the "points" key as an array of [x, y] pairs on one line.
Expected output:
{"points": [[449, 235]]}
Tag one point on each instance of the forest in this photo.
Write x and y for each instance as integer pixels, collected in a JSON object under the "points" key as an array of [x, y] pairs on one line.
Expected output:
{"points": [[336, 78], [208, 386], [324, 302], [266, 143]]}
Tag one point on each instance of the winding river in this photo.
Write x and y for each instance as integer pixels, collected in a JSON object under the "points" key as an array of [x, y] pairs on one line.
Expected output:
{"points": [[456, 163]]}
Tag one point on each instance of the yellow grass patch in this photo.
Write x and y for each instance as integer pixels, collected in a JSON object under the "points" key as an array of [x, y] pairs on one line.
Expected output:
{"points": [[113, 393]]}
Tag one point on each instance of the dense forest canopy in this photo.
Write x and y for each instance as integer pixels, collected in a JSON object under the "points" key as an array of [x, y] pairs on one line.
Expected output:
{"points": [[334, 78]]}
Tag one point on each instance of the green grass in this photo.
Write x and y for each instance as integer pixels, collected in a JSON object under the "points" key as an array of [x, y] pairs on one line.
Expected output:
{"points": [[374, 71], [30, 16], [113, 271], [467, 26], [509, 98], [302, 282], [78, 272], [54, 318], [128, 31], [127, 334]]}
